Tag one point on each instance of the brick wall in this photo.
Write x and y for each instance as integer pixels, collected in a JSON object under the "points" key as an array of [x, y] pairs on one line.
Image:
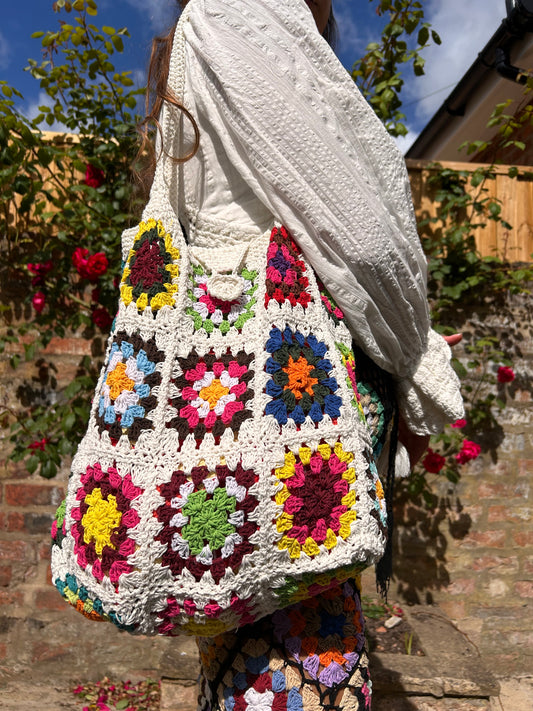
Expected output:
{"points": [[472, 554]]}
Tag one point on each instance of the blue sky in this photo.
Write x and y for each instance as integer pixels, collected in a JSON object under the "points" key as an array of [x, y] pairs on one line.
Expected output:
{"points": [[464, 27]]}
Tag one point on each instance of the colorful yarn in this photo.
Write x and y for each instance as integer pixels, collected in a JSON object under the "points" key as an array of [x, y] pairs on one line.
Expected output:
{"points": [[309, 656], [301, 384], [331, 308], [316, 502], [127, 395], [286, 278], [102, 522], [213, 394], [207, 520], [78, 596], [150, 277], [348, 361], [211, 313]]}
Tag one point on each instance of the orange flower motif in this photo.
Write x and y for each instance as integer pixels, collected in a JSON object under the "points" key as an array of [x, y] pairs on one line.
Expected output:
{"points": [[300, 380], [332, 655]]}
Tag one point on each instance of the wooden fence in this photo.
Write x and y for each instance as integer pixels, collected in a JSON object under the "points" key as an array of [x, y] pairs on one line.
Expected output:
{"points": [[514, 194]]}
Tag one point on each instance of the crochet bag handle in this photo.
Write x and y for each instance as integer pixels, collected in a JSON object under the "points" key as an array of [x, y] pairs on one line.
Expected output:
{"points": [[170, 122]]}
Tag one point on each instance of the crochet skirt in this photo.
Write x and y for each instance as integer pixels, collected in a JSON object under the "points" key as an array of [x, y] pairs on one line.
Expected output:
{"points": [[311, 655], [308, 656]]}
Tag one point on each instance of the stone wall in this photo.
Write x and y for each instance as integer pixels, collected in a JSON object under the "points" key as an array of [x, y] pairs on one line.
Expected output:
{"points": [[472, 554]]}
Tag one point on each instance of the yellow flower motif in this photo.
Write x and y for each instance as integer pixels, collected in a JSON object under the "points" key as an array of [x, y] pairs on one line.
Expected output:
{"points": [[287, 469], [345, 520], [379, 490], [325, 451], [100, 520], [305, 455], [341, 454], [310, 547], [290, 544], [284, 522], [282, 496], [349, 499]]}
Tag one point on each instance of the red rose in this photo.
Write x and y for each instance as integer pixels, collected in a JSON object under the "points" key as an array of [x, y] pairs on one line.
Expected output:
{"points": [[38, 301], [40, 270], [94, 177], [505, 374], [96, 266], [39, 444], [79, 260], [433, 462], [469, 450], [101, 318], [459, 424]]}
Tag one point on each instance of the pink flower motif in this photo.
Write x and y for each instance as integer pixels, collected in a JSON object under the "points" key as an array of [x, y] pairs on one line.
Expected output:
{"points": [[39, 301], [469, 451], [505, 374], [433, 462], [459, 424]]}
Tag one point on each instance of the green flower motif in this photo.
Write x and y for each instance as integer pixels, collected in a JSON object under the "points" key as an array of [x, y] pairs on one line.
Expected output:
{"points": [[208, 520]]}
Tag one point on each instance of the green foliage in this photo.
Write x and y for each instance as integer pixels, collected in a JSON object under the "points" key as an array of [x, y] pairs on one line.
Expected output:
{"points": [[65, 201], [378, 74], [68, 196]]}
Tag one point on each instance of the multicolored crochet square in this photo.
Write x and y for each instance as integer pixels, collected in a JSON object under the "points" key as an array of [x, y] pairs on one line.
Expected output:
{"points": [[127, 394], [210, 313], [374, 412], [376, 493], [205, 517], [102, 521], [78, 596], [315, 500], [312, 584], [150, 276], [212, 393], [286, 278], [348, 361], [301, 383], [331, 308]]}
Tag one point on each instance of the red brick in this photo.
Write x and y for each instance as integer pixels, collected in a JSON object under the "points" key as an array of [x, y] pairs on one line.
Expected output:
{"points": [[32, 495], [14, 521], [10, 597], [487, 539], [44, 652], [492, 491], [524, 588], [523, 538], [49, 575], [461, 586], [3, 651], [495, 564], [69, 346], [5, 575], [49, 600], [515, 514], [15, 550], [525, 467], [44, 552]]}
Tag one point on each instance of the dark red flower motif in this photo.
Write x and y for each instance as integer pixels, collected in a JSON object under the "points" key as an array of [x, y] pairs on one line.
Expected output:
{"points": [[39, 444], [505, 374], [469, 450], [433, 462], [96, 266], [38, 301], [94, 177], [102, 318]]}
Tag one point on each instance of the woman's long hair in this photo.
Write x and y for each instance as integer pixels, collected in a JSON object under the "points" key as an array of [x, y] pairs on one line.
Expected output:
{"points": [[157, 93]]}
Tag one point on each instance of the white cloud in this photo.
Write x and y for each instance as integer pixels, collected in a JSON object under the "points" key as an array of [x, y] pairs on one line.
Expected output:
{"points": [[161, 13], [33, 110], [465, 28], [4, 52], [405, 142]]}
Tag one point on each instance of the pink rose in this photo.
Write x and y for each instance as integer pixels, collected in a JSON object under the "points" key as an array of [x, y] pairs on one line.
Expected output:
{"points": [[469, 450], [433, 462], [94, 177], [505, 374], [38, 301], [459, 424], [96, 266]]}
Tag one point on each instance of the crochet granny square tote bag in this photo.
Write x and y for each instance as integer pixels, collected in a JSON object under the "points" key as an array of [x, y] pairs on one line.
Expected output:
{"points": [[227, 470]]}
